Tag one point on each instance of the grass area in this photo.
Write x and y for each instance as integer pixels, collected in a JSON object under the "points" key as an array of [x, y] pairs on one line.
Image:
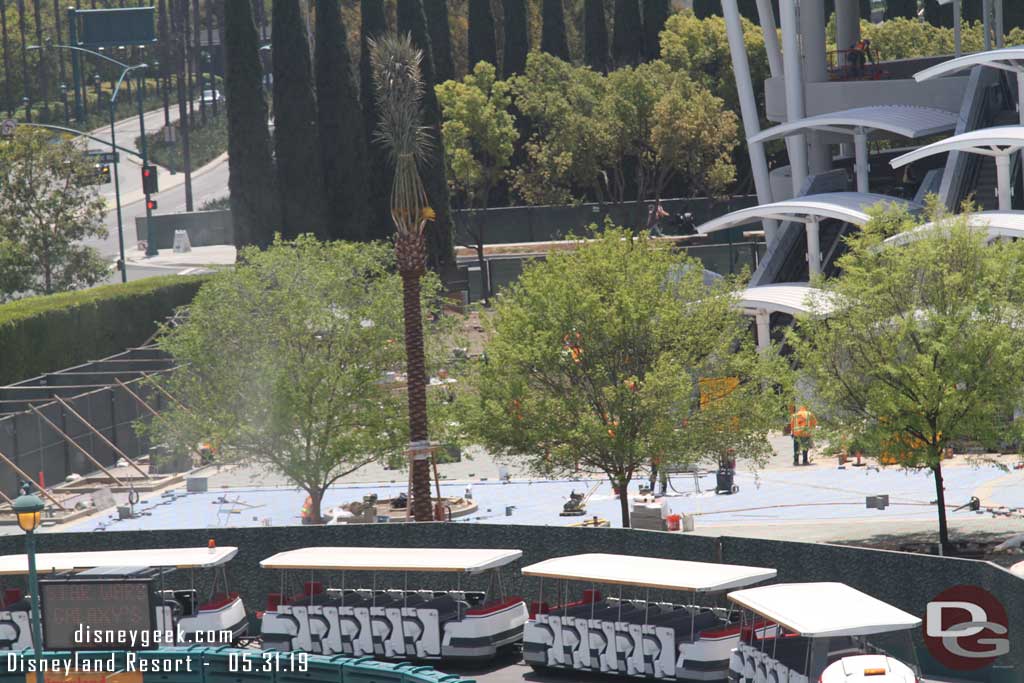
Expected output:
{"points": [[206, 142]]}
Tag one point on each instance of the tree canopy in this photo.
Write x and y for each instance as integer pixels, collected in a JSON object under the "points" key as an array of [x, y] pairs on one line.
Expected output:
{"points": [[923, 345], [283, 361], [596, 358], [48, 205]]}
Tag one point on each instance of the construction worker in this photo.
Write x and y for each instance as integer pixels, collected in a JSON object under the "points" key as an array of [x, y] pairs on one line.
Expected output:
{"points": [[307, 510], [802, 424], [859, 54]]}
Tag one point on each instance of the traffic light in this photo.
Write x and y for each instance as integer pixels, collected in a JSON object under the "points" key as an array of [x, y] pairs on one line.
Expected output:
{"points": [[150, 205], [149, 182], [102, 173]]}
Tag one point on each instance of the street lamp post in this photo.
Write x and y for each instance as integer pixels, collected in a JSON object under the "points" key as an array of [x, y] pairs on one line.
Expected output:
{"points": [[126, 69], [29, 511]]}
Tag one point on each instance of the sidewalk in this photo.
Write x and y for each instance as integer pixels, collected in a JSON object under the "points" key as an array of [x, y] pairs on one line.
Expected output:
{"points": [[202, 258]]}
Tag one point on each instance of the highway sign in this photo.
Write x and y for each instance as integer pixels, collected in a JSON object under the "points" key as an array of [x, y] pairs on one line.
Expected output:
{"points": [[101, 157]]}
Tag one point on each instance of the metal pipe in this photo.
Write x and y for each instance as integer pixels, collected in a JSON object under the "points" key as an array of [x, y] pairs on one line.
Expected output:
{"points": [[766, 16], [748, 111], [1000, 31], [110, 444], [957, 29], [32, 481], [794, 91], [986, 22], [764, 334], [74, 443]]}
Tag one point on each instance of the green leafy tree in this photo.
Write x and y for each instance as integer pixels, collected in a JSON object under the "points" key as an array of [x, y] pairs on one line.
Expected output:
{"points": [[340, 128], [656, 13], [923, 345], [282, 361], [553, 39], [479, 138], [627, 34], [700, 49], [440, 239], [623, 136], [517, 37], [595, 360], [595, 36], [296, 143], [482, 46], [48, 205], [254, 207]]}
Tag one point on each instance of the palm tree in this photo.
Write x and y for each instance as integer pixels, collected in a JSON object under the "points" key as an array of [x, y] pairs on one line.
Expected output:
{"points": [[398, 85]]}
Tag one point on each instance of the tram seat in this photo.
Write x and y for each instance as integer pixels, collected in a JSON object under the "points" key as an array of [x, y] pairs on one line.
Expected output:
{"points": [[11, 597], [215, 602], [447, 608], [790, 651]]}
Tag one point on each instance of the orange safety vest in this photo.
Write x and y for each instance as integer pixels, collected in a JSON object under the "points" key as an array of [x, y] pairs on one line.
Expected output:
{"points": [[307, 508], [803, 423]]}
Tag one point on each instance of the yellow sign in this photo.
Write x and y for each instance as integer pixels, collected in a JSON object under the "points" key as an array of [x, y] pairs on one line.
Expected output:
{"points": [[86, 677], [714, 388]]}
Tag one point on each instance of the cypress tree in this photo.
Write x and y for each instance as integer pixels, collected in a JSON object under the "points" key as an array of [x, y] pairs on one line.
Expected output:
{"points": [[440, 240], [552, 34], [595, 36], [482, 46], [374, 23], [517, 37], [901, 8], [340, 119], [938, 15], [440, 39], [299, 178], [656, 13], [972, 11], [254, 209], [628, 36]]}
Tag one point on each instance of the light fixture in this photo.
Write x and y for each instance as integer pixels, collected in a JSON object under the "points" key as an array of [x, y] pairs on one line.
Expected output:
{"points": [[29, 510]]}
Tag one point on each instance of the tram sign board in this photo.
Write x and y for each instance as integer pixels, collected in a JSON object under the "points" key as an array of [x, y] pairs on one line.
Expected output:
{"points": [[114, 614]]}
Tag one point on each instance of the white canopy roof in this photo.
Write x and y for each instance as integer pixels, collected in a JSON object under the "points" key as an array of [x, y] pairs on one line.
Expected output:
{"points": [[180, 558], [1009, 58], [468, 560], [791, 298], [904, 120], [848, 207], [1018, 569], [650, 572], [824, 610], [988, 141], [998, 224]]}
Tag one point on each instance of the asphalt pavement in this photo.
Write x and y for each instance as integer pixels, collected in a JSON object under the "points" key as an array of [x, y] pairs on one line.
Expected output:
{"points": [[208, 183]]}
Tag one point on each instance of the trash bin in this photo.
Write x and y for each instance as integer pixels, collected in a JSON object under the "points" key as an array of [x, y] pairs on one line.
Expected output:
{"points": [[673, 522], [724, 481]]}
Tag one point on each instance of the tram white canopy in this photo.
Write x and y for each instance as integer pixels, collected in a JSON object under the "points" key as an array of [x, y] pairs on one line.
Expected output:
{"points": [[824, 610], [179, 558], [849, 207], [998, 223], [466, 560], [649, 572], [791, 298], [899, 119]]}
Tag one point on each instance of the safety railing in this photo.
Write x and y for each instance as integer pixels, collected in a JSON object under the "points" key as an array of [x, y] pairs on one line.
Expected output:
{"points": [[202, 664]]}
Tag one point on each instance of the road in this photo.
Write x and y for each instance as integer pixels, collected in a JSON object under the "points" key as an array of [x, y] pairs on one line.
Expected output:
{"points": [[208, 183]]}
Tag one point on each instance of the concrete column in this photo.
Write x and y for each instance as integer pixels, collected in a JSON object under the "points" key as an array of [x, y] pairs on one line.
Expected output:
{"points": [[957, 28], [986, 22], [861, 159], [1003, 179], [764, 332], [815, 63], [794, 91], [748, 111], [766, 16], [847, 25], [813, 248]]}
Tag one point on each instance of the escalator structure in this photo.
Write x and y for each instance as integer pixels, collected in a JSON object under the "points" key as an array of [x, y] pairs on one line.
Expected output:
{"points": [[989, 100]]}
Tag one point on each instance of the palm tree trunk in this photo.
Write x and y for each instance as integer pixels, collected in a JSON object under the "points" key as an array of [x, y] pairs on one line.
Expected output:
{"points": [[416, 386]]}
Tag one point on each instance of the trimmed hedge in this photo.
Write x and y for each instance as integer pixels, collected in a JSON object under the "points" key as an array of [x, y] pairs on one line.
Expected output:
{"points": [[46, 333]]}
